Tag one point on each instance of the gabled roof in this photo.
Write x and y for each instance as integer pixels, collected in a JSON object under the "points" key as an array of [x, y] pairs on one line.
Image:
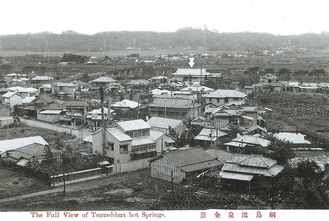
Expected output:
{"points": [[138, 82], [10, 94], [249, 139], [162, 122], [54, 106], [44, 98], [131, 125], [125, 104], [173, 103], [30, 151], [252, 161], [257, 127], [103, 80], [192, 159], [77, 103], [118, 134], [226, 94], [60, 84], [143, 140], [221, 155], [206, 132], [13, 144], [190, 72]]}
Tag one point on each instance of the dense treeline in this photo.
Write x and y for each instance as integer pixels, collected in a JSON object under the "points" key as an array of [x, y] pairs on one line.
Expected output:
{"points": [[187, 38]]}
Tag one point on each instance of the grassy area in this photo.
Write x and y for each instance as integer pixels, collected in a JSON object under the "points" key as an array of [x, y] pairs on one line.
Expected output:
{"points": [[15, 181], [25, 131], [138, 191]]}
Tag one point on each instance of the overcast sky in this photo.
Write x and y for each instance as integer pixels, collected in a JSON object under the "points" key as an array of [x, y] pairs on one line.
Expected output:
{"points": [[282, 17]]}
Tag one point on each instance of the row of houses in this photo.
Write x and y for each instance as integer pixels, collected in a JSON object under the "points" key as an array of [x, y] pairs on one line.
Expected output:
{"points": [[270, 83]]}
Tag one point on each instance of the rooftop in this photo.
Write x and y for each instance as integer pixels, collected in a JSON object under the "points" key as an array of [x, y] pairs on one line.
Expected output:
{"points": [[249, 139], [125, 104], [226, 94], [162, 122], [13, 144], [103, 80], [190, 72], [192, 159], [131, 125], [118, 134], [174, 103]]}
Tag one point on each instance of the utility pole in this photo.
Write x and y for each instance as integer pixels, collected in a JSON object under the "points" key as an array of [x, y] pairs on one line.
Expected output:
{"points": [[101, 91], [172, 189]]}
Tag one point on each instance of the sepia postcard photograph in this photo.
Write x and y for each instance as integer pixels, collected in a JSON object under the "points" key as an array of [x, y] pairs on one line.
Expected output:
{"points": [[164, 109]]}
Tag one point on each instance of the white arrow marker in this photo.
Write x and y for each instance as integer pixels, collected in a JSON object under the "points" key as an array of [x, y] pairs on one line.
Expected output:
{"points": [[191, 63]]}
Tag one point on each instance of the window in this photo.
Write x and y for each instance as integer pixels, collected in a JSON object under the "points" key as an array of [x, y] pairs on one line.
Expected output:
{"points": [[226, 100], [123, 148], [143, 155], [110, 146]]}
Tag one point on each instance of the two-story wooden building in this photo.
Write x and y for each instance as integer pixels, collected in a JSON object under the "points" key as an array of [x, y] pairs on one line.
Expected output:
{"points": [[128, 145]]}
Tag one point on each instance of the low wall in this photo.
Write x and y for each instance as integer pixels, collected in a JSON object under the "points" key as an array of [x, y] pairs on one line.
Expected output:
{"points": [[79, 176], [132, 165]]}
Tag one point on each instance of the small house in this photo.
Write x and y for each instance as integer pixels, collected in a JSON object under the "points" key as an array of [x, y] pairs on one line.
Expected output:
{"points": [[182, 165]]}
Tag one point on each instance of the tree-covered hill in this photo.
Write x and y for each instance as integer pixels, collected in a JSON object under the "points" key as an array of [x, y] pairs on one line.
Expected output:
{"points": [[183, 39]]}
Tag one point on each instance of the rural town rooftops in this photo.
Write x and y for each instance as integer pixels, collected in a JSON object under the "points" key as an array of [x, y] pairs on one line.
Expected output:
{"points": [[174, 103], [226, 94], [60, 84], [162, 122], [77, 103], [131, 125], [221, 155], [190, 72], [42, 78], [208, 134], [138, 82], [13, 144]]}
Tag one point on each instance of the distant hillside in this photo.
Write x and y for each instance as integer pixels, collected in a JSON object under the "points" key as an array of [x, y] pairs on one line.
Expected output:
{"points": [[183, 39]]}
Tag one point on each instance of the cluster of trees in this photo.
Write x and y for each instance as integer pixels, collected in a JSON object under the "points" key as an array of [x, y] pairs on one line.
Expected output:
{"points": [[80, 59], [302, 187], [187, 38]]}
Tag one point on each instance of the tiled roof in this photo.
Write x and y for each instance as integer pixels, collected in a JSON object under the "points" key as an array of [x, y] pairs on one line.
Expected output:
{"points": [[173, 103], [13, 144], [221, 155], [226, 94], [78, 103], [143, 140], [118, 134], [192, 159], [162, 122], [252, 140], [205, 134], [125, 104], [138, 82], [103, 80], [130, 125]]}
